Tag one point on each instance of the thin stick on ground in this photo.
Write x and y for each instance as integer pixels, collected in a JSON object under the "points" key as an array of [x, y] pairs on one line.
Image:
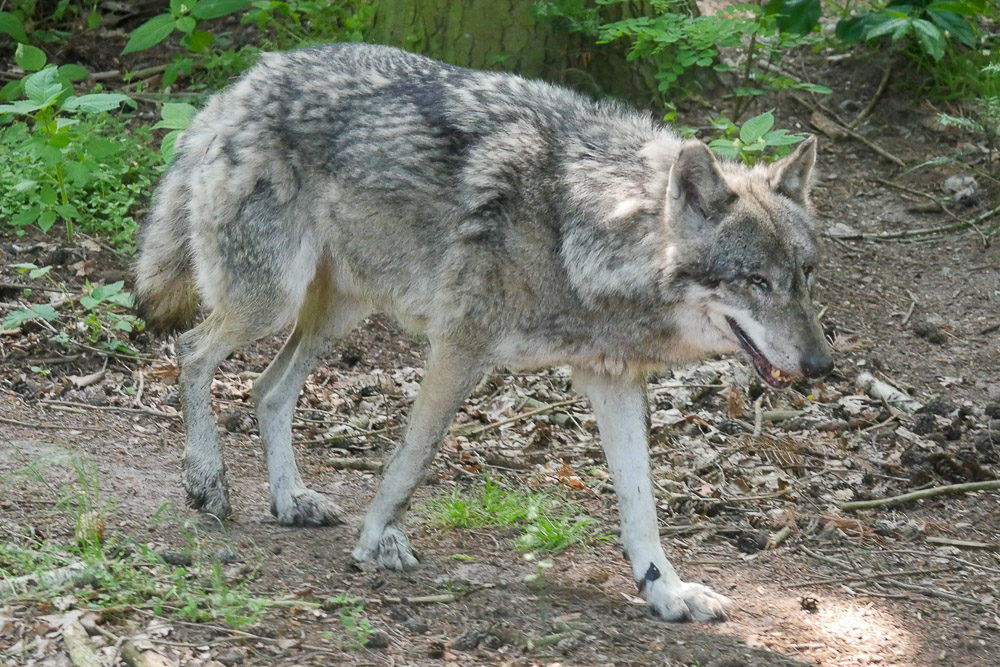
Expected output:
{"points": [[991, 485], [516, 418], [883, 84]]}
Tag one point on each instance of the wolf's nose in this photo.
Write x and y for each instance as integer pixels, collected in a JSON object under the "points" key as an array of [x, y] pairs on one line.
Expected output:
{"points": [[816, 364]]}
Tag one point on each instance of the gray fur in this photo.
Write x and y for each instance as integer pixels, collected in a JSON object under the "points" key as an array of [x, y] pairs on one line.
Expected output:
{"points": [[514, 223]]}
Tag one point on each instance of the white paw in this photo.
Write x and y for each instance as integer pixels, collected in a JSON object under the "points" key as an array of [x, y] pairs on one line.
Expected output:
{"points": [[391, 551], [304, 507], [685, 602]]}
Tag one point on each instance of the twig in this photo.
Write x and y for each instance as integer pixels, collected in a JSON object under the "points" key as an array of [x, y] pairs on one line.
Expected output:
{"points": [[875, 98], [142, 653], [15, 422], [72, 573], [884, 391], [826, 559], [516, 418], [31, 287], [869, 577], [354, 464], [854, 135], [758, 417], [941, 205], [779, 538], [933, 592], [81, 651], [969, 487], [442, 598], [962, 544], [115, 408]]}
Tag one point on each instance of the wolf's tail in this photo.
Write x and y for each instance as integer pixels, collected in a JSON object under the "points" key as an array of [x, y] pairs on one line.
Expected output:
{"points": [[165, 293]]}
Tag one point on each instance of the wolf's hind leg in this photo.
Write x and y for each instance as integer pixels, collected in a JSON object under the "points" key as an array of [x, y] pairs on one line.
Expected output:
{"points": [[450, 378], [324, 317], [621, 409], [199, 352]]}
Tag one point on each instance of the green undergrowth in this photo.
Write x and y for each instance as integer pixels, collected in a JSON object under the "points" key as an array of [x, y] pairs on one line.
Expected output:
{"points": [[545, 522]]}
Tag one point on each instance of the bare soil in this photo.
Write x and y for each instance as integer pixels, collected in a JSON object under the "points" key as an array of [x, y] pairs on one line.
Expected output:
{"points": [[874, 587]]}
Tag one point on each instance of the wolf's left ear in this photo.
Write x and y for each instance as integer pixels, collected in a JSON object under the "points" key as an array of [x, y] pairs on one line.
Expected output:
{"points": [[791, 174]]}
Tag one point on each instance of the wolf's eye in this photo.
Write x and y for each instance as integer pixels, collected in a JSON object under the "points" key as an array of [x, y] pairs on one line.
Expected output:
{"points": [[759, 281], [807, 270]]}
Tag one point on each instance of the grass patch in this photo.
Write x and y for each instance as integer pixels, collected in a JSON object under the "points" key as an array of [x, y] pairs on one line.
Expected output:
{"points": [[547, 522]]}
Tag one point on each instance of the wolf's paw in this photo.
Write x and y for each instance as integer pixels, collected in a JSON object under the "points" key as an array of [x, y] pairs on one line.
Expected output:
{"points": [[208, 494], [685, 602], [392, 551], [304, 507]]}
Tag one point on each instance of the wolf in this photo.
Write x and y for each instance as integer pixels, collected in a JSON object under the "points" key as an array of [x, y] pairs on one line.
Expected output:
{"points": [[513, 223]]}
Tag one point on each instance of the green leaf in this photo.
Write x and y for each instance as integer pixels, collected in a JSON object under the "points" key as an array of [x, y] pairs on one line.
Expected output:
{"points": [[12, 90], [47, 219], [20, 107], [725, 148], [102, 148], [93, 19], [95, 102], [186, 24], [175, 116], [25, 185], [167, 145], [150, 33], [47, 195], [200, 40], [102, 292], [26, 217], [955, 26], [817, 88], [796, 17], [29, 58], [39, 272], [89, 302], [77, 172], [213, 9], [67, 212], [11, 25], [169, 76], [40, 311], [782, 138], [931, 39], [43, 87], [898, 26], [756, 127], [963, 8], [73, 72]]}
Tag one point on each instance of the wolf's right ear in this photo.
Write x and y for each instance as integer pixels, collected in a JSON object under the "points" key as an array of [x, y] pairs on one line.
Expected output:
{"points": [[695, 182]]}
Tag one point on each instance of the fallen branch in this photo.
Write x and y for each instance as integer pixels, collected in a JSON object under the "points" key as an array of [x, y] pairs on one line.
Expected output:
{"points": [[962, 544], [884, 391], [338, 463], [114, 408], [875, 98], [15, 422], [969, 487], [79, 647], [869, 577], [826, 559], [74, 573], [933, 592], [141, 653], [854, 135]]}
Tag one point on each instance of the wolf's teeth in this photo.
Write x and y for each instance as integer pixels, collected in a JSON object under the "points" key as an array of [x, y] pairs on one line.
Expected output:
{"points": [[775, 373]]}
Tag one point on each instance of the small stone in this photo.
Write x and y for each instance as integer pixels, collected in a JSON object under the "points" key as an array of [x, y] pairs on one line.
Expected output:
{"points": [[377, 639]]}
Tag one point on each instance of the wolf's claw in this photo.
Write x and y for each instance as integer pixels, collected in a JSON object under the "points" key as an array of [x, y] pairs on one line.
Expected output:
{"points": [[392, 552], [304, 507], [685, 602], [208, 494]]}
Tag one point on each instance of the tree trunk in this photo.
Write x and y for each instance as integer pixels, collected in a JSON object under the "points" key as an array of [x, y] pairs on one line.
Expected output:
{"points": [[507, 35]]}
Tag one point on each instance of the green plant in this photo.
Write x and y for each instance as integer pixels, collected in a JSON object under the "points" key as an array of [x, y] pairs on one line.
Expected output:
{"points": [[297, 23], [984, 110], [753, 139], [103, 319], [677, 38], [929, 23], [28, 21], [183, 16], [538, 579], [357, 628], [174, 117], [548, 532], [54, 155]]}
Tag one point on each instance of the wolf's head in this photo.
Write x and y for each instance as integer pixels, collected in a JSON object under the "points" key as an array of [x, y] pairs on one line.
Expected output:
{"points": [[743, 256]]}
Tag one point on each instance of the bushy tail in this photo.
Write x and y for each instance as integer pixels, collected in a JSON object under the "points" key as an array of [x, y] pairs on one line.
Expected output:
{"points": [[165, 293]]}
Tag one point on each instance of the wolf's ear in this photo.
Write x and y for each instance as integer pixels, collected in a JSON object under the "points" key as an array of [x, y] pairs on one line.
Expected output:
{"points": [[791, 174], [695, 181]]}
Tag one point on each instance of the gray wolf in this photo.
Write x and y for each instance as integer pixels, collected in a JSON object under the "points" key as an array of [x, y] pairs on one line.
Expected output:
{"points": [[513, 223]]}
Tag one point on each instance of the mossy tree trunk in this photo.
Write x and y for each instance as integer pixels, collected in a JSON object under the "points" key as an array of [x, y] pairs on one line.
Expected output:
{"points": [[507, 35]]}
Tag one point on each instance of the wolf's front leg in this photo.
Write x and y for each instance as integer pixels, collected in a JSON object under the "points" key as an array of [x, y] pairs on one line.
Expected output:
{"points": [[622, 413], [450, 378]]}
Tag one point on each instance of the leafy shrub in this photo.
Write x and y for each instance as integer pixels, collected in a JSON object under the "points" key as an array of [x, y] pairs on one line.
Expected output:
{"points": [[62, 155], [677, 39], [929, 23], [751, 142]]}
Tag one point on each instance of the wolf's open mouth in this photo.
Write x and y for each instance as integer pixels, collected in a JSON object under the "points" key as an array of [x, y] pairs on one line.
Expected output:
{"points": [[771, 375]]}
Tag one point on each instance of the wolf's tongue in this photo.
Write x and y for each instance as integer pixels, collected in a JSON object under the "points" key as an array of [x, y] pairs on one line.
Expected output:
{"points": [[771, 375]]}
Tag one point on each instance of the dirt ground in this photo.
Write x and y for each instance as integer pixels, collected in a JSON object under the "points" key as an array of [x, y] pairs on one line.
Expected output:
{"points": [[914, 584]]}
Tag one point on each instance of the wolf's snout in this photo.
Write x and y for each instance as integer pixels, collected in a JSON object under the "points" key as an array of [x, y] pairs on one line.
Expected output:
{"points": [[816, 363]]}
